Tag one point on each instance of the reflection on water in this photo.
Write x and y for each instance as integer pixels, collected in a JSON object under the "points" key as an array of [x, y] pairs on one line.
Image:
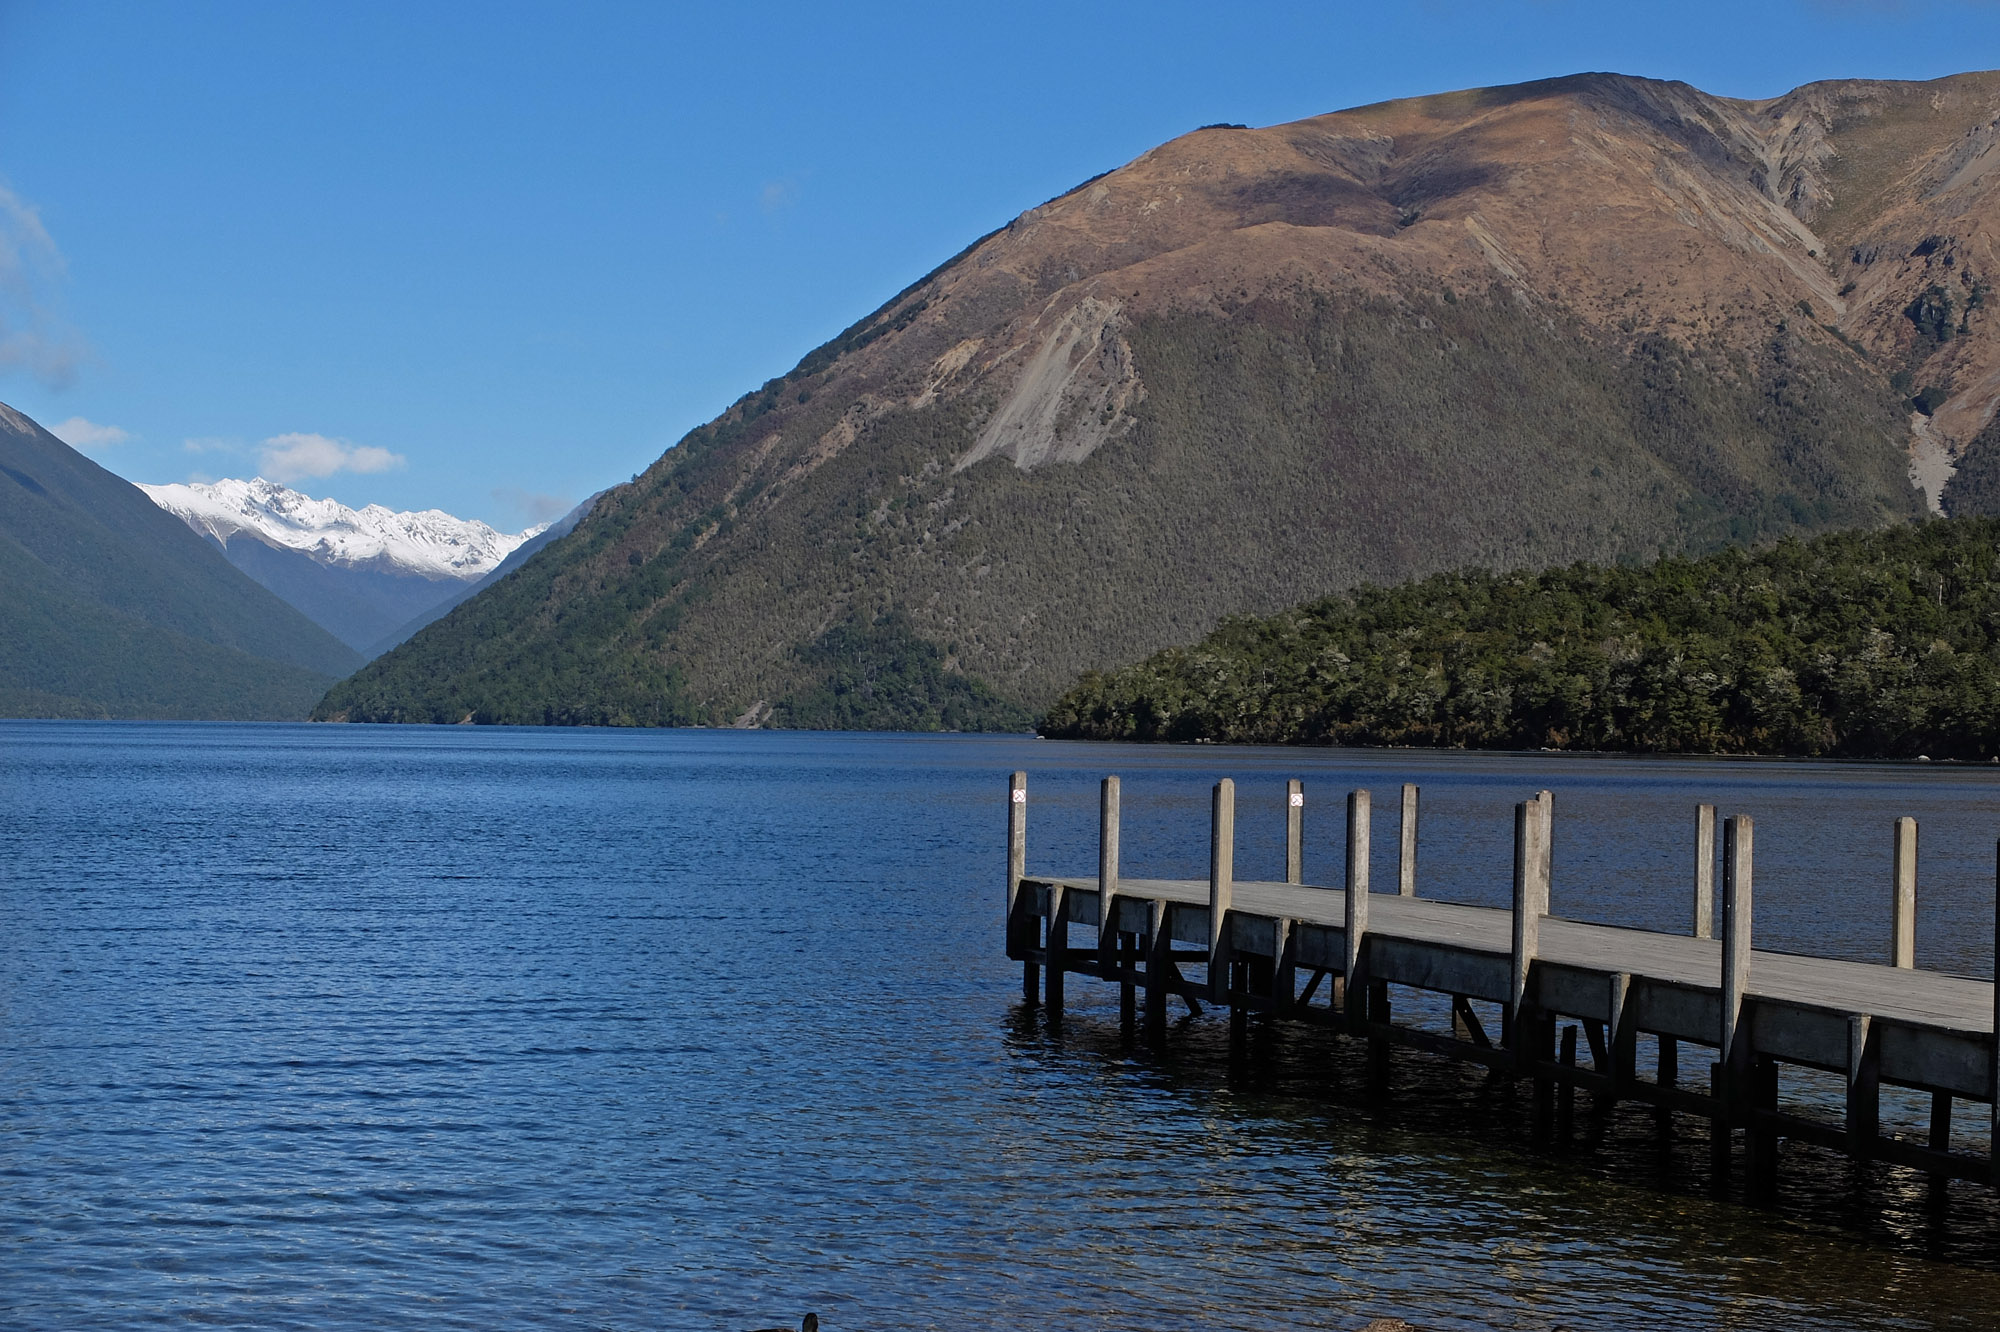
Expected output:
{"points": [[332, 1027]]}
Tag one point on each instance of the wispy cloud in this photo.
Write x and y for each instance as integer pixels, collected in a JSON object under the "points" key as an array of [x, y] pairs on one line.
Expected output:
{"points": [[298, 457], [81, 434], [34, 336], [778, 194], [535, 507]]}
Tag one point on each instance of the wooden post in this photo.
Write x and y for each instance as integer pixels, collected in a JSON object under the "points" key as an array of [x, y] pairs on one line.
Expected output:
{"points": [[1406, 857], [1566, 1092], [1864, 1087], [1531, 903], [1903, 897], [1295, 832], [1355, 990], [1221, 885], [1704, 871], [1159, 950], [1736, 861], [1733, 1064], [1530, 1034], [1055, 953], [1546, 802], [1993, 1059], [1019, 925], [1621, 1036], [1108, 960], [1285, 968]]}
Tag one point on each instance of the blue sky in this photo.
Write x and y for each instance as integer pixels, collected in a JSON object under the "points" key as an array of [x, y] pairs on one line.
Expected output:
{"points": [[492, 258]]}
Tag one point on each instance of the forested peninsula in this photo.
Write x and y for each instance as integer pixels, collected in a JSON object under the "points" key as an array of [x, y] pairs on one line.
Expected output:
{"points": [[1853, 644]]}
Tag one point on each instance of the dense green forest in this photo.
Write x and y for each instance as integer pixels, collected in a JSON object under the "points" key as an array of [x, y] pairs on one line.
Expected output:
{"points": [[1853, 644]]}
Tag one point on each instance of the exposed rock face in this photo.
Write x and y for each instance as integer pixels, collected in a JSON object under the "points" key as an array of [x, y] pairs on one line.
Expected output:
{"points": [[1595, 317]]}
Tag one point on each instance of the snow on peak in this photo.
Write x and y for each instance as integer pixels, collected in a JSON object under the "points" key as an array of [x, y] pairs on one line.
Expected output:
{"points": [[431, 543]]}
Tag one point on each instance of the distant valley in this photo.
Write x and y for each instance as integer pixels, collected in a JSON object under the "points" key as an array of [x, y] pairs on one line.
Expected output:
{"points": [[1597, 317], [369, 576]]}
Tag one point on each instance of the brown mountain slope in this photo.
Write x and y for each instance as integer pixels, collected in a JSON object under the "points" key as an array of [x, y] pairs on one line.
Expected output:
{"points": [[1593, 317]]}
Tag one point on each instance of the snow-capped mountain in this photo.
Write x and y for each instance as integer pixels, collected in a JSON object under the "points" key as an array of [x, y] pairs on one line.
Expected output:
{"points": [[431, 543], [360, 573]]}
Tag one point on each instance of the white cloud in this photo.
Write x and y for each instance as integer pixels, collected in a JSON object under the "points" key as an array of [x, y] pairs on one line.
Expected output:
{"points": [[81, 434], [33, 334], [297, 457]]}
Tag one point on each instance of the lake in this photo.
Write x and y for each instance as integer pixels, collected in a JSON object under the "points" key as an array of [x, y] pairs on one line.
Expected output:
{"points": [[332, 1027]]}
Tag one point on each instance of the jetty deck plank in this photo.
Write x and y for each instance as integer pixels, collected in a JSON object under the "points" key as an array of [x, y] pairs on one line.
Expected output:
{"points": [[1924, 998]]}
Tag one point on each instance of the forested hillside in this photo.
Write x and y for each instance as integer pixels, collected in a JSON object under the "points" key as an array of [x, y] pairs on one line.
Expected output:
{"points": [[1882, 644]]}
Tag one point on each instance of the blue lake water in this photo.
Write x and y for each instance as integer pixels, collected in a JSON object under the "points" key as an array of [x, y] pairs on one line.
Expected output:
{"points": [[372, 1027]]}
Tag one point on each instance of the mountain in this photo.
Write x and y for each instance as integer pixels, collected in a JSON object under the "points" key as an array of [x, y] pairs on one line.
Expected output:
{"points": [[1596, 317], [111, 607], [1855, 644], [536, 538], [358, 573]]}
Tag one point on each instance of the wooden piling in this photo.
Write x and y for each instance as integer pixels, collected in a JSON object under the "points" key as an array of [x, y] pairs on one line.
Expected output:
{"points": [[1111, 963], [1566, 1093], [1736, 920], [1406, 854], [1704, 871], [1531, 903], [1903, 896], [1221, 885], [1545, 808], [1993, 1057], [1734, 1055], [1159, 965], [1864, 1086], [1021, 927], [1621, 1035], [1355, 990], [1055, 952], [1295, 831]]}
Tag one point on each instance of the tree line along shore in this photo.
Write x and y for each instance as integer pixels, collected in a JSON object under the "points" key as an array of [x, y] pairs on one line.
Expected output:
{"points": [[1878, 644]]}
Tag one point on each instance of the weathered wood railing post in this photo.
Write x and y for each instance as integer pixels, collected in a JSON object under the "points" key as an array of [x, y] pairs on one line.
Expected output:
{"points": [[1022, 932], [1221, 886], [1903, 949], [1669, 1070], [1406, 851], [1284, 962], [1734, 1044], [1526, 1032], [1545, 802], [1704, 871], [1903, 896], [1295, 831], [1111, 960], [1355, 919]]}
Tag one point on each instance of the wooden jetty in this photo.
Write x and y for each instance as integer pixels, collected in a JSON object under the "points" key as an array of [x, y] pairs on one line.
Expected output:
{"points": [[1331, 955]]}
